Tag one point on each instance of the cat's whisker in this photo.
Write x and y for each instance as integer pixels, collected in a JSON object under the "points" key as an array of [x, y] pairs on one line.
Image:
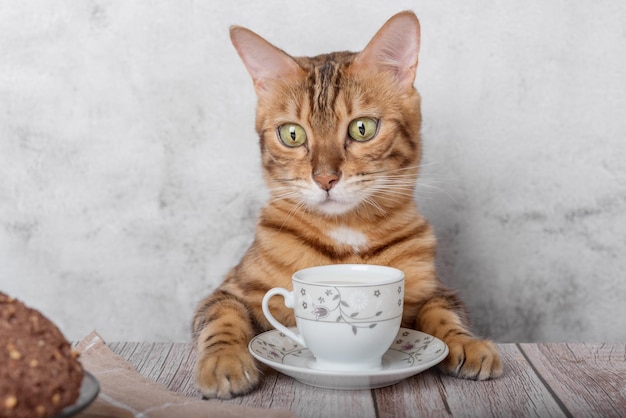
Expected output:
{"points": [[434, 189], [397, 192], [372, 202], [284, 196], [399, 170], [292, 198], [287, 194], [393, 197], [396, 183], [281, 183], [283, 192], [292, 213], [390, 185], [392, 170], [388, 179], [395, 186], [394, 189]]}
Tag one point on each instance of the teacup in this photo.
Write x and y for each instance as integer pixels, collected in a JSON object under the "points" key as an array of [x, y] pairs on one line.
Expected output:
{"points": [[347, 315]]}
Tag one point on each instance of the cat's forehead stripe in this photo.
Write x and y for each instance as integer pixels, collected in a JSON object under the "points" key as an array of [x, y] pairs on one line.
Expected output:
{"points": [[328, 76], [323, 91]]}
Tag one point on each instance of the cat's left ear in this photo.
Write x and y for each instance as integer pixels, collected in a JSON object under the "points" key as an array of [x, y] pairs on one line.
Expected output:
{"points": [[394, 48], [264, 61]]}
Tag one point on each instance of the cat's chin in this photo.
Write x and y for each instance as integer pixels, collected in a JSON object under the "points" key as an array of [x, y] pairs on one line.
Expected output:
{"points": [[334, 208]]}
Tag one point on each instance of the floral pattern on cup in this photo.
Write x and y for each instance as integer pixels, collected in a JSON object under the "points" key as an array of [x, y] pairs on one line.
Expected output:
{"points": [[357, 308]]}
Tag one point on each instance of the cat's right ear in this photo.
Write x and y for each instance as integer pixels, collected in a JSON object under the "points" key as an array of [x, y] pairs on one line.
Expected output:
{"points": [[264, 61]]}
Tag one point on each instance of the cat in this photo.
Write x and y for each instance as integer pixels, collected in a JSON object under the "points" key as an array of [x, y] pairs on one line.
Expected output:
{"points": [[340, 149]]}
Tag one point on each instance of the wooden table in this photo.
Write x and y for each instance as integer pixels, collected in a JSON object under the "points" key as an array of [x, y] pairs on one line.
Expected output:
{"points": [[542, 380]]}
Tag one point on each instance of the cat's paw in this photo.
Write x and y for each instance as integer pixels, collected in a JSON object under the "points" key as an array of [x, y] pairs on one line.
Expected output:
{"points": [[226, 374], [471, 358]]}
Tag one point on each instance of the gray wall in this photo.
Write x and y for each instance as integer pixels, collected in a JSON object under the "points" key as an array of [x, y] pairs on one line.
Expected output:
{"points": [[129, 173]]}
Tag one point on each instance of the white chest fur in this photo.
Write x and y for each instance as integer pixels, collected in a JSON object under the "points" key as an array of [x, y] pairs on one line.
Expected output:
{"points": [[348, 236]]}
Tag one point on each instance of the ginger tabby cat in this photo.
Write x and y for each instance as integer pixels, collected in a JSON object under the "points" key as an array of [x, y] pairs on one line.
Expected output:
{"points": [[340, 147]]}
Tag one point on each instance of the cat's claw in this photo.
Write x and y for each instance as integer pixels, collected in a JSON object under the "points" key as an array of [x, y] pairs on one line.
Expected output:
{"points": [[225, 375], [472, 359]]}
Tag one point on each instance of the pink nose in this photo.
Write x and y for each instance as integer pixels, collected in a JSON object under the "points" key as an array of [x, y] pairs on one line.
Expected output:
{"points": [[326, 181]]}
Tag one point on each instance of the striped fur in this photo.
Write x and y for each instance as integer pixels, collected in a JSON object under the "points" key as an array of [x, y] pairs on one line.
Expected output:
{"points": [[367, 216]]}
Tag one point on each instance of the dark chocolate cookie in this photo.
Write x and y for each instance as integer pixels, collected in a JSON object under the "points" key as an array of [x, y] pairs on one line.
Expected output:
{"points": [[39, 373]]}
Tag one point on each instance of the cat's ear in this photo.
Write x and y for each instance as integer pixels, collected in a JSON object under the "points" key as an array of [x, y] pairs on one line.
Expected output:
{"points": [[394, 49], [263, 60]]}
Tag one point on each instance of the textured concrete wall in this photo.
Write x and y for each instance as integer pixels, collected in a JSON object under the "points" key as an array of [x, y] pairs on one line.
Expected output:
{"points": [[129, 173]]}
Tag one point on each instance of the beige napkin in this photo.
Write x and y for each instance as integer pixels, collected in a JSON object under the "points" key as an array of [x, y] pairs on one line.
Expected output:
{"points": [[124, 393]]}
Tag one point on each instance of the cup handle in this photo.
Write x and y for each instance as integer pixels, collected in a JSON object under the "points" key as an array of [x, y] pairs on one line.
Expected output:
{"points": [[288, 296]]}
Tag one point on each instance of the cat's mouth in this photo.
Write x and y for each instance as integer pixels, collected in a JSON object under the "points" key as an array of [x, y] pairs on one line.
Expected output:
{"points": [[333, 202], [340, 199]]}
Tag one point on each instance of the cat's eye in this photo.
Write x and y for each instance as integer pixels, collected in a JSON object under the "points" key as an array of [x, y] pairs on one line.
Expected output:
{"points": [[291, 134], [363, 129]]}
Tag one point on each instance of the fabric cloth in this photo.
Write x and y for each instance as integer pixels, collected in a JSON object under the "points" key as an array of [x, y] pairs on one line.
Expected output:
{"points": [[124, 393]]}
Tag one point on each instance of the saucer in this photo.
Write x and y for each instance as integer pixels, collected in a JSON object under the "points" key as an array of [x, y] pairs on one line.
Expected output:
{"points": [[411, 353]]}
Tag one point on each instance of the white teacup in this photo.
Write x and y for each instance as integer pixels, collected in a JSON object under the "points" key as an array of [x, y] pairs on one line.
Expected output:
{"points": [[347, 314]]}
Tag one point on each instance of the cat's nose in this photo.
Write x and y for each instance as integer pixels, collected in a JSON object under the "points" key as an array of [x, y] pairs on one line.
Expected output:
{"points": [[326, 181]]}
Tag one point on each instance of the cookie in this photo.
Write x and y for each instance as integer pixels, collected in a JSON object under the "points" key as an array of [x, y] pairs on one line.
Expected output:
{"points": [[39, 373]]}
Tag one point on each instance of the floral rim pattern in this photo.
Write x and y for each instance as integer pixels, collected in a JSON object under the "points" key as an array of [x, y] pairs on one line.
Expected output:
{"points": [[414, 347], [333, 306]]}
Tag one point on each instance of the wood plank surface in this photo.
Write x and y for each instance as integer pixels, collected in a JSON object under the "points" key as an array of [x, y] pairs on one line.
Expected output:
{"points": [[589, 379], [179, 376], [280, 391], [519, 392], [540, 380], [418, 396]]}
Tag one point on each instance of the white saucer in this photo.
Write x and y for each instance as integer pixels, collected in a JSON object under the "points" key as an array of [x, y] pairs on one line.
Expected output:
{"points": [[411, 353]]}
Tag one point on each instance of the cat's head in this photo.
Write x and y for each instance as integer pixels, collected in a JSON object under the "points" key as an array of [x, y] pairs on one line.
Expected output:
{"points": [[339, 132]]}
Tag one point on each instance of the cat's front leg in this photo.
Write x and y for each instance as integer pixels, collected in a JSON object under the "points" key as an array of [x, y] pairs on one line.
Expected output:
{"points": [[470, 358], [222, 328]]}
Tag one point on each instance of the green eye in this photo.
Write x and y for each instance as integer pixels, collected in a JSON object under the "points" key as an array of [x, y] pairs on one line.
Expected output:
{"points": [[291, 134], [363, 129]]}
